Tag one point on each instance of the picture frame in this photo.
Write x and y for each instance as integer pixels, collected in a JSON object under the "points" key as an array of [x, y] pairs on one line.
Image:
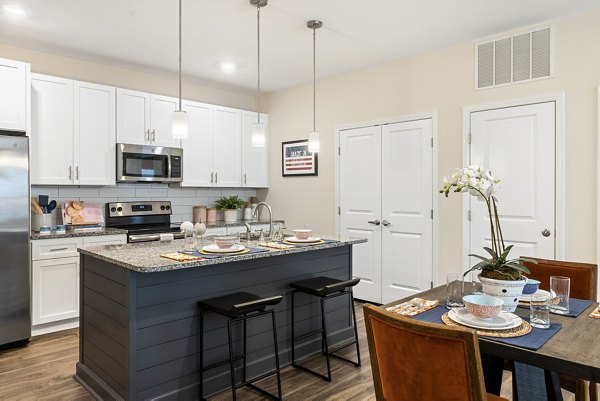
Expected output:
{"points": [[297, 161]]}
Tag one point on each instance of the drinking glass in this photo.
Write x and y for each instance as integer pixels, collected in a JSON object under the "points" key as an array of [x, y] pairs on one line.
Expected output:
{"points": [[455, 287], [476, 286], [540, 311], [190, 241], [276, 232], [559, 291]]}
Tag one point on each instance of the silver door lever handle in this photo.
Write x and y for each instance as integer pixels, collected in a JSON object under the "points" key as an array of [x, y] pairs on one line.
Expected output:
{"points": [[376, 222], [386, 223]]}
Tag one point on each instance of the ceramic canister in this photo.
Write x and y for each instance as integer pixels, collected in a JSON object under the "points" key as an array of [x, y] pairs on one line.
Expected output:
{"points": [[211, 214], [199, 214]]}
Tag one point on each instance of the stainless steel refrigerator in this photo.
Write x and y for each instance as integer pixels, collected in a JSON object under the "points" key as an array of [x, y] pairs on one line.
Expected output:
{"points": [[15, 315]]}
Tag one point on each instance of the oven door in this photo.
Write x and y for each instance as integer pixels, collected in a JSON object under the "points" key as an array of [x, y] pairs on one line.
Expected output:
{"points": [[138, 163]]}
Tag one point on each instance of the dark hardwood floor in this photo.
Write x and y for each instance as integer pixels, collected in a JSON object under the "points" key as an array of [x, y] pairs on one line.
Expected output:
{"points": [[44, 371]]}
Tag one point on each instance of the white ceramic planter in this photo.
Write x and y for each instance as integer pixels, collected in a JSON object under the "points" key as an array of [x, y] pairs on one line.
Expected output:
{"points": [[507, 290], [230, 215]]}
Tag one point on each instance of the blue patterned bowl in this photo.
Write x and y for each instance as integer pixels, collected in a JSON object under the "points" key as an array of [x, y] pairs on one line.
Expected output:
{"points": [[531, 286]]}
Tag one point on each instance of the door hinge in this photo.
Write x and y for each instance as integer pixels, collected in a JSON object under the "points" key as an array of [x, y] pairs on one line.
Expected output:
{"points": [[431, 285], [431, 214], [339, 210], [339, 151], [469, 139], [469, 215], [432, 142]]}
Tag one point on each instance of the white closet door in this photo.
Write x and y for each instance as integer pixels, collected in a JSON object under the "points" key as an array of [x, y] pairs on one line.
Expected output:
{"points": [[406, 197], [518, 145], [360, 205]]}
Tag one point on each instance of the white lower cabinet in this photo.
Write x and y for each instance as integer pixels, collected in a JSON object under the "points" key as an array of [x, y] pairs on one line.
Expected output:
{"points": [[55, 280]]}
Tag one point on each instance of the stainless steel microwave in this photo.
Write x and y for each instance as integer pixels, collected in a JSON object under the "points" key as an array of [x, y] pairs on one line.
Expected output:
{"points": [[140, 163]]}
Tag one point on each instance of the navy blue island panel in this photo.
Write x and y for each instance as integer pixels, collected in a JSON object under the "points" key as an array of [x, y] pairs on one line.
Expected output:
{"points": [[139, 317]]}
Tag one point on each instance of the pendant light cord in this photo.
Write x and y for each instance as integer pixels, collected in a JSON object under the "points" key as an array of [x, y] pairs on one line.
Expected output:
{"points": [[314, 80], [179, 55], [258, 61]]}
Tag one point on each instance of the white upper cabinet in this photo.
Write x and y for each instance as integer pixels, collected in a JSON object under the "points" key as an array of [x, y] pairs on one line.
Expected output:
{"points": [[95, 135], [227, 147], [14, 90], [51, 130], [197, 148], [255, 160], [73, 132], [145, 119]]}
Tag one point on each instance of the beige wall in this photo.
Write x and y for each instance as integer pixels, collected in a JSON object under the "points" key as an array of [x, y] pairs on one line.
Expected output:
{"points": [[441, 81], [50, 64]]}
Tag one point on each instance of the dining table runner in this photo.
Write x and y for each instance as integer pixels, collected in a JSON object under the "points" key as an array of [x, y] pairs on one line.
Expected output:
{"points": [[532, 341], [222, 255], [576, 307], [301, 244]]}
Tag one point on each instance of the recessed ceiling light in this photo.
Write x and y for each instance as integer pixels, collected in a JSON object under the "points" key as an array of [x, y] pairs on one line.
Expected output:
{"points": [[228, 67], [14, 10]]}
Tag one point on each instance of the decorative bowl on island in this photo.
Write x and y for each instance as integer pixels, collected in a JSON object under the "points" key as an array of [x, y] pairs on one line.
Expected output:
{"points": [[483, 306], [531, 286], [302, 233], [225, 242]]}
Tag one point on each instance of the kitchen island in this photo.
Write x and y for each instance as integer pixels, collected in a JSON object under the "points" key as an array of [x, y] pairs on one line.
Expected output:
{"points": [[139, 315]]}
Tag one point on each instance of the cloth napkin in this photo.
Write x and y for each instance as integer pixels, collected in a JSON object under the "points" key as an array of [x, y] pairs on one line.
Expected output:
{"points": [[533, 340], [596, 313], [222, 255], [413, 307]]}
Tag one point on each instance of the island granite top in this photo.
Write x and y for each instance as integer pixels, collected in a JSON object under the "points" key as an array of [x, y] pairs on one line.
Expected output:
{"points": [[145, 257]]}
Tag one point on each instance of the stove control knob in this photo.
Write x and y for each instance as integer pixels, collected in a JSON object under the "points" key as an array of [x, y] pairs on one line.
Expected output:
{"points": [[119, 209], [168, 207], [162, 207], [113, 209]]}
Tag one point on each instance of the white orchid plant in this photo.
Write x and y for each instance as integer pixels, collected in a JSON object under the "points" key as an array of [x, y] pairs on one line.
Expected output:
{"points": [[483, 185]]}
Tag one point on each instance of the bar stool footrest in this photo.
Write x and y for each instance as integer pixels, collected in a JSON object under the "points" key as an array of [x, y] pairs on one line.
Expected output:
{"points": [[311, 333], [322, 376]]}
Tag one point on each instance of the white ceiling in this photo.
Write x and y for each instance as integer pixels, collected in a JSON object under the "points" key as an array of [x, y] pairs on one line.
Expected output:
{"points": [[142, 34]]}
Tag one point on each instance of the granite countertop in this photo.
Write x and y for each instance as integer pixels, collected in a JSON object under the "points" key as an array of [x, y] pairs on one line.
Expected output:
{"points": [[145, 257], [70, 233]]}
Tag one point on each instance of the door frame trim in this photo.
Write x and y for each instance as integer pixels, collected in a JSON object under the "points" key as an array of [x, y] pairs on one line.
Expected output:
{"points": [[433, 115], [559, 100]]}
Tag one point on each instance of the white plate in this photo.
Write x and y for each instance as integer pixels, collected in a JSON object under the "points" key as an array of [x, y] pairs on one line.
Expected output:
{"points": [[503, 321], [215, 249], [527, 297], [300, 241]]}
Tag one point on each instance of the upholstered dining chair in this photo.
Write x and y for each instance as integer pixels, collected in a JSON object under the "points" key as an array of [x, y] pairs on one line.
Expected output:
{"points": [[419, 361], [583, 286]]}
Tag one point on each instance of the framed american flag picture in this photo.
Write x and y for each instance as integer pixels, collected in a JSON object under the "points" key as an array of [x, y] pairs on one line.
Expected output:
{"points": [[296, 160]]}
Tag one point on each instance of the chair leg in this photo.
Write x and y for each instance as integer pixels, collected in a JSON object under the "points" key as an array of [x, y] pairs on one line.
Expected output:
{"points": [[244, 350], [201, 354], [594, 391], [276, 354], [326, 346], [231, 367], [355, 329], [293, 341]]}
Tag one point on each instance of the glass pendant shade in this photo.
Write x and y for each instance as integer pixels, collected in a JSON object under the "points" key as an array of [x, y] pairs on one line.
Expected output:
{"points": [[180, 124], [314, 142], [258, 135]]}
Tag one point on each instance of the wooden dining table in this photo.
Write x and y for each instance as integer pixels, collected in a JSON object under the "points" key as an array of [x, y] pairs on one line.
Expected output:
{"points": [[574, 350]]}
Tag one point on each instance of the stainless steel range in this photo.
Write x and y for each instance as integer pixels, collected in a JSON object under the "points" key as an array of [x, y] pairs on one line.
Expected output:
{"points": [[144, 221]]}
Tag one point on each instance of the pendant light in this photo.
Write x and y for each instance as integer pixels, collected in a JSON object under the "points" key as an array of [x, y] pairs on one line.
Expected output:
{"points": [[180, 118], [258, 138], [314, 141]]}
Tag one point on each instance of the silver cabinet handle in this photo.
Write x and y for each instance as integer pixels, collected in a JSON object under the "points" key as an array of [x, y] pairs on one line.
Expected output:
{"points": [[216, 178], [212, 177], [546, 232], [58, 249], [245, 180], [147, 135], [376, 222], [70, 172], [153, 135], [77, 172], [386, 223]]}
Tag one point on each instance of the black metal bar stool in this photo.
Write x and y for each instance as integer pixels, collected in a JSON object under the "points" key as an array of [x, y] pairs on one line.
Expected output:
{"points": [[240, 306], [325, 288]]}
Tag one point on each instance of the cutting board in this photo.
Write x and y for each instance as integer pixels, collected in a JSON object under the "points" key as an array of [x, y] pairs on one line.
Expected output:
{"points": [[82, 213]]}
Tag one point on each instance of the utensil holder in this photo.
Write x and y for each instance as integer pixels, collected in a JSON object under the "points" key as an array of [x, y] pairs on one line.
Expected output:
{"points": [[40, 220]]}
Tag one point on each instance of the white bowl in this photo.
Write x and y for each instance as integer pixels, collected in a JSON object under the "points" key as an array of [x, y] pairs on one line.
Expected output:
{"points": [[483, 306], [302, 233], [225, 242]]}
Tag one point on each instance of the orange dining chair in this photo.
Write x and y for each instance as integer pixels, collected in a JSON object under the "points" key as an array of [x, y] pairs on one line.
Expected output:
{"points": [[583, 286], [419, 361]]}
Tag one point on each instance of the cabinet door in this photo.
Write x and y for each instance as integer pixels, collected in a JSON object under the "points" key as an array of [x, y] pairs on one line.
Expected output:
{"points": [[197, 148], [133, 117], [104, 240], [227, 147], [55, 290], [51, 130], [161, 117], [255, 160], [13, 95], [95, 135]]}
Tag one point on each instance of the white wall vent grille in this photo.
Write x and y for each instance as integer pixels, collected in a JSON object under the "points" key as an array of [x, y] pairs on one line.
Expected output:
{"points": [[514, 59]]}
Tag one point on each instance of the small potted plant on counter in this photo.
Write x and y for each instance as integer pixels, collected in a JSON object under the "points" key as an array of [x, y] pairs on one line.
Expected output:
{"points": [[229, 205]]}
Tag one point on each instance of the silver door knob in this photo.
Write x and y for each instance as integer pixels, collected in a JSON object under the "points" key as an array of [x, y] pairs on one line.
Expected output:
{"points": [[386, 223], [546, 232], [376, 222]]}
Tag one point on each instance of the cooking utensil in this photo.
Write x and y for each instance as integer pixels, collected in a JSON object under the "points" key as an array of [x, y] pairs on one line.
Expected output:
{"points": [[35, 207], [43, 202], [51, 206]]}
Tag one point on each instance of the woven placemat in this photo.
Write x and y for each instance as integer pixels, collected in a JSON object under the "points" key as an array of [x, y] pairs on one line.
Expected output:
{"points": [[524, 328], [319, 242], [243, 251]]}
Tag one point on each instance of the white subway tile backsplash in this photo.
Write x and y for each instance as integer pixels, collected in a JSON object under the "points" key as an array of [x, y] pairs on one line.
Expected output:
{"points": [[181, 192], [117, 192], [203, 192], [151, 193], [51, 191], [78, 192]]}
